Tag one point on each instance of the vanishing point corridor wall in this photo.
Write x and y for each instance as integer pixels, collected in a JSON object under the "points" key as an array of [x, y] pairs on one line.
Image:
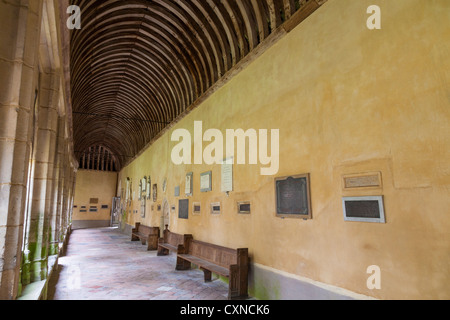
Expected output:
{"points": [[347, 101]]}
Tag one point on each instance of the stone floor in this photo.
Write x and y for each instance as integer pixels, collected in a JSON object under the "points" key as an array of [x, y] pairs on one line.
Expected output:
{"points": [[103, 264]]}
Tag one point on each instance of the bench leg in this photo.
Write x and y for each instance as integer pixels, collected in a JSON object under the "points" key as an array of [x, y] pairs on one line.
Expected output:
{"points": [[163, 251], [152, 243], [183, 264], [208, 275], [238, 288], [134, 238]]}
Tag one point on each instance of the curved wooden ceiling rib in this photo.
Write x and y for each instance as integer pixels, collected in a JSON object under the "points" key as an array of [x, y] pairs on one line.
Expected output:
{"points": [[138, 64]]}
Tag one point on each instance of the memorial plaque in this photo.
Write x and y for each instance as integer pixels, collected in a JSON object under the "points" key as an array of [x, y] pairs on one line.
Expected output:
{"points": [[216, 208], [155, 192], [244, 207], [206, 182], [149, 191], [369, 180], [196, 210], [293, 197], [227, 175], [364, 209], [189, 184], [183, 209], [177, 191]]}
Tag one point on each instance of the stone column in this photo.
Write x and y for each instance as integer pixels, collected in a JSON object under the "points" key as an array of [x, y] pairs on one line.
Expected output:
{"points": [[55, 213], [65, 200], [61, 178], [37, 244], [20, 30]]}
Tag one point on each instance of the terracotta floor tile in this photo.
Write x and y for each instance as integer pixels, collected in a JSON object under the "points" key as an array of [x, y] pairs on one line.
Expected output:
{"points": [[103, 264]]}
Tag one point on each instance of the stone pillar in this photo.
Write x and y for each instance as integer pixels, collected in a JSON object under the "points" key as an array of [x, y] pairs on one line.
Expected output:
{"points": [[20, 30], [55, 213], [65, 199], [61, 178], [37, 243]]}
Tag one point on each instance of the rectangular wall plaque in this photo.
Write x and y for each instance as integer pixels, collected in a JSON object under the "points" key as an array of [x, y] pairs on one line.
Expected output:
{"points": [[183, 209], [293, 197], [244, 207], [196, 208], [368, 180], [206, 182], [216, 208], [364, 209], [227, 175], [189, 184]]}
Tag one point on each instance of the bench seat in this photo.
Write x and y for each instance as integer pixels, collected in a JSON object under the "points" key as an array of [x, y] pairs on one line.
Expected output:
{"points": [[168, 246], [222, 261], [172, 241], [147, 235], [204, 264]]}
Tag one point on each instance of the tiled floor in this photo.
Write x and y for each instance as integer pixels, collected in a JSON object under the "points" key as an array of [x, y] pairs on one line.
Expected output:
{"points": [[103, 264]]}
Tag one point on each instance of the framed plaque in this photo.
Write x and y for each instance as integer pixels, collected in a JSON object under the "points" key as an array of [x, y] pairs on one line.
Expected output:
{"points": [[227, 175], [189, 184], [216, 208], [155, 192], [149, 192], [364, 209], [183, 209], [196, 208], [206, 182], [293, 199], [244, 207]]}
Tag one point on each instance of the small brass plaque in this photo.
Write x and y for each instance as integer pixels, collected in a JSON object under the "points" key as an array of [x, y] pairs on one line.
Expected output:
{"points": [[372, 180]]}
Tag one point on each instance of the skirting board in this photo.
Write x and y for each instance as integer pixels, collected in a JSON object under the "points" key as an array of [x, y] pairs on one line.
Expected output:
{"points": [[88, 224], [271, 284]]}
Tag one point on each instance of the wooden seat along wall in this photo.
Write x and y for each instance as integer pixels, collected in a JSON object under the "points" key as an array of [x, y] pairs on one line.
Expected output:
{"points": [[147, 235], [226, 262]]}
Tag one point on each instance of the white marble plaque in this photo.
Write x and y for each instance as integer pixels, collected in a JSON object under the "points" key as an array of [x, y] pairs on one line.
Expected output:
{"points": [[227, 175]]}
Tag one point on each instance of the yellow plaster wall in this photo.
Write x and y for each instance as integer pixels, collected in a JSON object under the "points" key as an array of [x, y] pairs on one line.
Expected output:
{"points": [[94, 184], [346, 100]]}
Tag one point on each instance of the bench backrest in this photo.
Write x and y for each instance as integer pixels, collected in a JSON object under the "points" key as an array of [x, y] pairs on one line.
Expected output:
{"points": [[148, 230], [218, 255], [174, 239]]}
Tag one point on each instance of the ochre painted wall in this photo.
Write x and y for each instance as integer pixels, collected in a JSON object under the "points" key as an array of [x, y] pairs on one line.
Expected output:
{"points": [[98, 185], [347, 100]]}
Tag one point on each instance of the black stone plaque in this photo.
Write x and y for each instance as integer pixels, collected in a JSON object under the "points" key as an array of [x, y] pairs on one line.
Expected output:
{"points": [[244, 207], [183, 209], [363, 209], [292, 197]]}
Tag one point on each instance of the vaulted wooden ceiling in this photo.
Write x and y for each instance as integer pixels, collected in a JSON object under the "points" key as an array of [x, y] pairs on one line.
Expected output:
{"points": [[137, 65]]}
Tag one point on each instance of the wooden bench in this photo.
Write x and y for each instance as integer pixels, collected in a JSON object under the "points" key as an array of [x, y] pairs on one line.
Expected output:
{"points": [[147, 235], [172, 241], [222, 261]]}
